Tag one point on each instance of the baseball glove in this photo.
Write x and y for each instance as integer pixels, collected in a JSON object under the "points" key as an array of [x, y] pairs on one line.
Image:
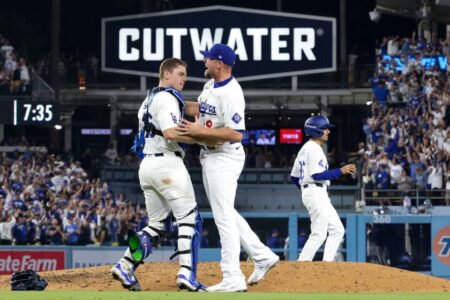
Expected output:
{"points": [[27, 280]]}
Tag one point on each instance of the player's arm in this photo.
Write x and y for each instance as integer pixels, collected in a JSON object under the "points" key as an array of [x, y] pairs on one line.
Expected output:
{"points": [[335, 173], [195, 130], [168, 118], [174, 134], [191, 108]]}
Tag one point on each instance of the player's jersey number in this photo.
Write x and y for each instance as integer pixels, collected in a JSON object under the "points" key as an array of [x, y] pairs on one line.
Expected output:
{"points": [[302, 170]]}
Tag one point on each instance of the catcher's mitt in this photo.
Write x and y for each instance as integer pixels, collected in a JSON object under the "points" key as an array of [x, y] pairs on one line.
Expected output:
{"points": [[27, 280]]}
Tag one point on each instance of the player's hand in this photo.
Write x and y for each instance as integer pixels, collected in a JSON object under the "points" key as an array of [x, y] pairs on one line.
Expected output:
{"points": [[348, 169], [190, 128]]}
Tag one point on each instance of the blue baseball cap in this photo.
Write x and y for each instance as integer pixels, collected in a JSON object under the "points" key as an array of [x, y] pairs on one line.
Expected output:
{"points": [[221, 52]]}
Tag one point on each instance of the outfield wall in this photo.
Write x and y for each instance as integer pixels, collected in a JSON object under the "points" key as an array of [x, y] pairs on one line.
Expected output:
{"points": [[47, 258]]}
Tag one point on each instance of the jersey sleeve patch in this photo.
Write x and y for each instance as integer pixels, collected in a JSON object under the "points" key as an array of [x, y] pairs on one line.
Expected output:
{"points": [[174, 118], [236, 118]]}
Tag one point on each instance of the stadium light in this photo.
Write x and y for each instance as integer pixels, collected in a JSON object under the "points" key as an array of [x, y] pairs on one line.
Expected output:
{"points": [[58, 126]]}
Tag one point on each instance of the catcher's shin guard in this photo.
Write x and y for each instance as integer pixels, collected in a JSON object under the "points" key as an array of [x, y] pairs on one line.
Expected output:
{"points": [[189, 231], [140, 245]]}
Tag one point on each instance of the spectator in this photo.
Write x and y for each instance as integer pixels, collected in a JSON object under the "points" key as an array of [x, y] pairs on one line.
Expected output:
{"points": [[382, 94], [104, 233], [274, 241], [421, 179], [4, 84], [85, 233], [435, 176], [54, 233], [25, 80], [395, 171], [111, 153], [71, 231], [20, 231], [43, 232], [115, 224], [31, 228], [382, 181], [6, 226], [262, 139], [404, 182]]}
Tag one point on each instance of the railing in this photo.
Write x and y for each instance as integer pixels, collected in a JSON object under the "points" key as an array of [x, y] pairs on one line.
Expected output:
{"points": [[343, 77], [408, 198], [41, 90], [123, 174], [258, 189]]}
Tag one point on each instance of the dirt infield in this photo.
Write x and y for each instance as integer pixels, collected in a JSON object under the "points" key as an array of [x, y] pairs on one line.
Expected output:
{"points": [[285, 277]]}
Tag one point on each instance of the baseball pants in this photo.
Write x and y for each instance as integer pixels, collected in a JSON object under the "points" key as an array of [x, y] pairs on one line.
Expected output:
{"points": [[324, 220], [220, 175], [167, 187]]}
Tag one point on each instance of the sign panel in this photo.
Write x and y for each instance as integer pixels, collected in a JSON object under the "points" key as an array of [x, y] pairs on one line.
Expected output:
{"points": [[428, 62], [291, 136], [440, 239], [88, 257], [40, 261], [268, 44]]}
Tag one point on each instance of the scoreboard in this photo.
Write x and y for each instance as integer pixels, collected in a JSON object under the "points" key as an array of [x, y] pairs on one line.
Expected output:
{"points": [[28, 112]]}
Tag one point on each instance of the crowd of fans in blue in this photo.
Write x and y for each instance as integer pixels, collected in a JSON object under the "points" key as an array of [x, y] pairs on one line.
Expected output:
{"points": [[407, 143]]}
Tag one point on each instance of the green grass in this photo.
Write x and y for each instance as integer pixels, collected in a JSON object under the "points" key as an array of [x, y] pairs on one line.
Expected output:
{"points": [[94, 295]]}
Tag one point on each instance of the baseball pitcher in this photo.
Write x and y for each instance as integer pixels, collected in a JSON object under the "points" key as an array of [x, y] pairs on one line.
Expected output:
{"points": [[219, 115]]}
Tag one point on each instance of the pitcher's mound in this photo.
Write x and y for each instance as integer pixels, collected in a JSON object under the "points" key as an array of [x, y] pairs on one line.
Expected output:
{"points": [[285, 277]]}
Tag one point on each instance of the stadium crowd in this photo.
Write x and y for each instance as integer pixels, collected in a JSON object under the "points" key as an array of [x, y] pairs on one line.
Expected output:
{"points": [[14, 72], [407, 130], [47, 200]]}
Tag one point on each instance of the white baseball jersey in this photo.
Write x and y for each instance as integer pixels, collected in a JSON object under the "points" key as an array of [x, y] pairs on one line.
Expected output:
{"points": [[164, 179], [165, 113], [222, 106], [310, 160]]}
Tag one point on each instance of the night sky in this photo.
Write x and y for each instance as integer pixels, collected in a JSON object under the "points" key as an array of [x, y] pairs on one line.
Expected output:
{"points": [[27, 23]]}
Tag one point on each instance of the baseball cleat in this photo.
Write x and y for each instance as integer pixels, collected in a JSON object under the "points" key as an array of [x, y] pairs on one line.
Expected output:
{"points": [[261, 268], [124, 272], [227, 287], [185, 284]]}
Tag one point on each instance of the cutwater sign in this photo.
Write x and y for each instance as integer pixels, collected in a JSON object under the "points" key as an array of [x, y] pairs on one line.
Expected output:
{"points": [[268, 44]]}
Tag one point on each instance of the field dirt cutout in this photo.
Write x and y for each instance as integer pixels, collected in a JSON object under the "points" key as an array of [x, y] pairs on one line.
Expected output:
{"points": [[285, 277]]}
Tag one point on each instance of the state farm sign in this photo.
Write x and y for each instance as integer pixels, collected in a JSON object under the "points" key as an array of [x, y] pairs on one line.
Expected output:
{"points": [[13, 260], [267, 44]]}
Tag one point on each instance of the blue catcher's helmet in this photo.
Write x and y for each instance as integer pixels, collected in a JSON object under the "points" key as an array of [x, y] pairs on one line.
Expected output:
{"points": [[315, 125]]}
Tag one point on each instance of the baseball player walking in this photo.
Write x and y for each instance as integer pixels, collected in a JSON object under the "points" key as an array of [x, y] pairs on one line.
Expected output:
{"points": [[219, 115], [165, 181], [310, 173]]}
